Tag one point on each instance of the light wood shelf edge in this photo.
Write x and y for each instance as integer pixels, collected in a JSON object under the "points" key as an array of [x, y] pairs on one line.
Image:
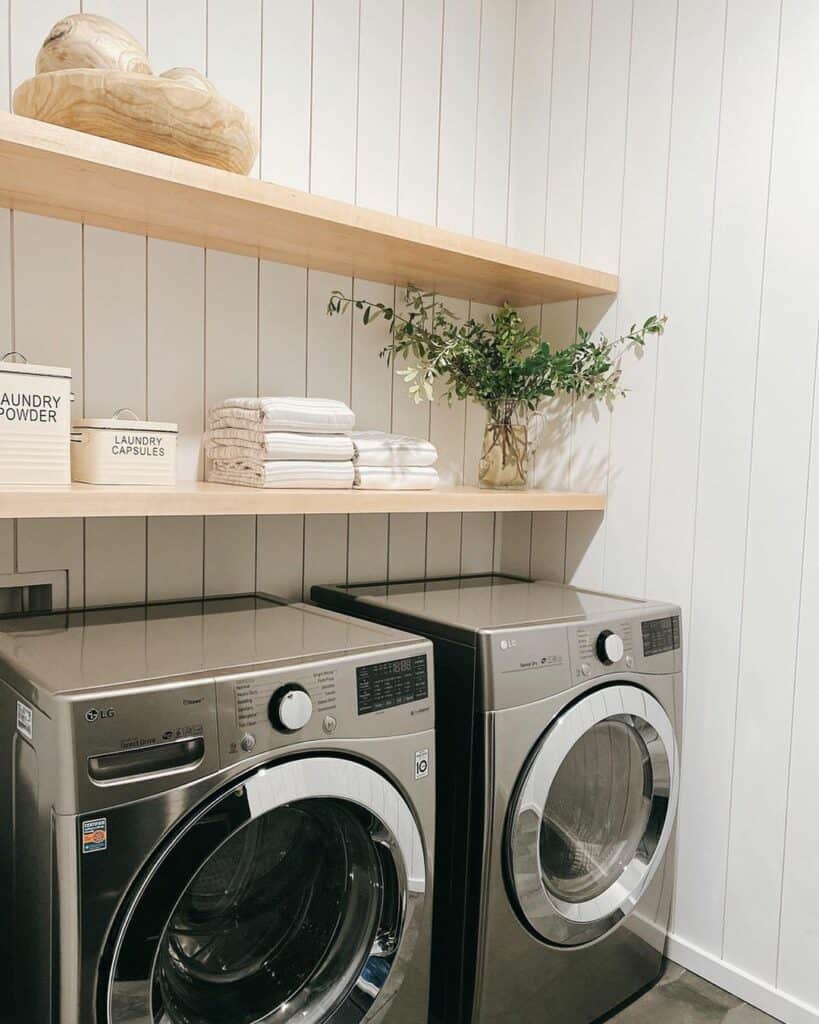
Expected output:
{"points": [[58, 172], [207, 499]]}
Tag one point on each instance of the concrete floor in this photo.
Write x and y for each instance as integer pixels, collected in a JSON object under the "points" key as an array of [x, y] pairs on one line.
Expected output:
{"points": [[682, 998]]}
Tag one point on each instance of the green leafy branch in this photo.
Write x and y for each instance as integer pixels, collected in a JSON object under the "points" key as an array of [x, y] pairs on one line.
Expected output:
{"points": [[496, 360]]}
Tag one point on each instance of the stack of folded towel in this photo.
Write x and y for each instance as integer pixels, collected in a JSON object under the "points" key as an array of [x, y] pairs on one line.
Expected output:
{"points": [[281, 442], [390, 462]]}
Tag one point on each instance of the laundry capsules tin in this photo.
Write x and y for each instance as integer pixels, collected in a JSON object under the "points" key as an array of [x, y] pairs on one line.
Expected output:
{"points": [[35, 423], [123, 450]]}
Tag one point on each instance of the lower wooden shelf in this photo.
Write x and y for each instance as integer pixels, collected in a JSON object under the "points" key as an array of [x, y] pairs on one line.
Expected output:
{"points": [[207, 499]]}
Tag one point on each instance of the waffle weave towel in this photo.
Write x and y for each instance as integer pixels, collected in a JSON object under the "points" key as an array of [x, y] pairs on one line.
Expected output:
{"points": [[299, 415], [234, 443], [255, 473]]}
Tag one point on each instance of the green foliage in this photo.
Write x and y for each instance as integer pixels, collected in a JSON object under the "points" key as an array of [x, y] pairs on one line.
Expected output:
{"points": [[501, 359]]}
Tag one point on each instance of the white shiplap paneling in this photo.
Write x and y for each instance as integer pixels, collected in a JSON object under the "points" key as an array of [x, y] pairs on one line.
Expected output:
{"points": [[729, 383], [675, 464], [783, 414], [722, 442]]}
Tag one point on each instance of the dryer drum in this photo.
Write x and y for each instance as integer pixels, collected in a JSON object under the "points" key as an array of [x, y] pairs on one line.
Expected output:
{"points": [[597, 812], [593, 815]]}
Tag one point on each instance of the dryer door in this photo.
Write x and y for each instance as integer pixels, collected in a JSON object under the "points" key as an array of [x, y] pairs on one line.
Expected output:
{"points": [[297, 894], [593, 814]]}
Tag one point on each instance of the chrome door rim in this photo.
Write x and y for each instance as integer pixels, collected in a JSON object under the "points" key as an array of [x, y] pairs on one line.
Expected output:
{"points": [[267, 789], [570, 924]]}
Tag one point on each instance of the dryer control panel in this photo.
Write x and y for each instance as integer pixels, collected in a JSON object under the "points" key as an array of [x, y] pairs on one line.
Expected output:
{"points": [[634, 643]]}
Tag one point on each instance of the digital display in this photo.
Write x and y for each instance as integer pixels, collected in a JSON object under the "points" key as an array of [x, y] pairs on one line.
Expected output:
{"points": [[390, 683], [661, 635]]}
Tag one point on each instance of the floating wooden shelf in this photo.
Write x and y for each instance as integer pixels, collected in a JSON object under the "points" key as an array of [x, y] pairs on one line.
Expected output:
{"points": [[206, 499], [62, 173]]}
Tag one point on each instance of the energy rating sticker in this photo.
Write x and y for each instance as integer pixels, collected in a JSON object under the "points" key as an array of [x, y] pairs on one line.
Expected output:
{"points": [[95, 835], [25, 720]]}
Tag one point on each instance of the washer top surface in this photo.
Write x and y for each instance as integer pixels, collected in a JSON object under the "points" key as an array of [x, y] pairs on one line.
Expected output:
{"points": [[477, 603], [66, 653]]}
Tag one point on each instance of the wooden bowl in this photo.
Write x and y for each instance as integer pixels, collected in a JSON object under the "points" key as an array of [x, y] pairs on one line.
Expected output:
{"points": [[163, 114]]}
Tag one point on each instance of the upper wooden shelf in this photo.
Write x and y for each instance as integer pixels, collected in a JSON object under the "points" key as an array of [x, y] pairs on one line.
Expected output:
{"points": [[63, 173], [207, 499]]}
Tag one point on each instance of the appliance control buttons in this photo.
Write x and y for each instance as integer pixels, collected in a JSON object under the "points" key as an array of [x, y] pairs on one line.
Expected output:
{"points": [[585, 669], [610, 647], [329, 724], [248, 742], [290, 708]]}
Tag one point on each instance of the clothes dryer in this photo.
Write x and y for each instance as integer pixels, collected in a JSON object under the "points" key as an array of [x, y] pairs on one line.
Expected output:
{"points": [[558, 733]]}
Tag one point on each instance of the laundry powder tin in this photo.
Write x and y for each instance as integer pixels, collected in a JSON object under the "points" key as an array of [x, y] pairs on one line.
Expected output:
{"points": [[35, 423], [123, 451]]}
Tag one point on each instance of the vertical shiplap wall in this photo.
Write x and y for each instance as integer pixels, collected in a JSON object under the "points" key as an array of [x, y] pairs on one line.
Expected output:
{"points": [[681, 150], [673, 141]]}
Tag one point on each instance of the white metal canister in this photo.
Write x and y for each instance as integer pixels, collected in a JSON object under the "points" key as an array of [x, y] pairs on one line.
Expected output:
{"points": [[123, 451], [35, 423]]}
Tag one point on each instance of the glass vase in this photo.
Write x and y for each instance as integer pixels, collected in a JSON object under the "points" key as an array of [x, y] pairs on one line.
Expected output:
{"points": [[508, 444]]}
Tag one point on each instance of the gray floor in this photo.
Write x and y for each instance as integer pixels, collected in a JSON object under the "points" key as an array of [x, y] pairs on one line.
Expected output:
{"points": [[683, 998]]}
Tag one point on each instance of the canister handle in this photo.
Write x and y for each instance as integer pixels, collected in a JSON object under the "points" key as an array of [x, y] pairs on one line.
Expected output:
{"points": [[118, 413], [8, 356]]}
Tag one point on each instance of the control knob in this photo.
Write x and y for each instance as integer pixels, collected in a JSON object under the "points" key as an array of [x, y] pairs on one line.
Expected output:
{"points": [[290, 708], [610, 647]]}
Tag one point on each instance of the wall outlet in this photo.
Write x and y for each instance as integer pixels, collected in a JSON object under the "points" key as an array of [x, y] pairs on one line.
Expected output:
{"points": [[24, 592]]}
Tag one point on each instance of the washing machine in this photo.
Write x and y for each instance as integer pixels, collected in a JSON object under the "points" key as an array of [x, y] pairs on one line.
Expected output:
{"points": [[220, 811], [558, 732]]}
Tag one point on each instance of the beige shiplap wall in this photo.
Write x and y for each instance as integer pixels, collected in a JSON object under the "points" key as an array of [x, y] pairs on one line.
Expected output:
{"points": [[673, 141]]}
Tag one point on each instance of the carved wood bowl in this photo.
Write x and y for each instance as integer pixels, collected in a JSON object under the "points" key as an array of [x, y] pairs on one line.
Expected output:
{"points": [[168, 115]]}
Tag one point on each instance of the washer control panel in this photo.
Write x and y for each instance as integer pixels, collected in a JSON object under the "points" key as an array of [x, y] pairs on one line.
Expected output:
{"points": [[290, 708], [391, 683], [271, 700], [383, 693]]}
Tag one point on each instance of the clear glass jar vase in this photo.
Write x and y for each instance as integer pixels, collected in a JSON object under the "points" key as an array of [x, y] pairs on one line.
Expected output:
{"points": [[508, 445]]}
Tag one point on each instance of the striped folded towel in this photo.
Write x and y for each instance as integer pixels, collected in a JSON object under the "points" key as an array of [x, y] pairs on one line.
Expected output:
{"points": [[255, 473], [299, 415], [375, 448], [396, 478], [234, 443]]}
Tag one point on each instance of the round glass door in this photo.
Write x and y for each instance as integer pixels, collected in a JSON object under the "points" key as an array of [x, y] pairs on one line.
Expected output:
{"points": [[593, 815], [294, 896]]}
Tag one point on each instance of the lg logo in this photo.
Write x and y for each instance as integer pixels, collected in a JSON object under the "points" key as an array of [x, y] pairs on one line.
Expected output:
{"points": [[94, 715]]}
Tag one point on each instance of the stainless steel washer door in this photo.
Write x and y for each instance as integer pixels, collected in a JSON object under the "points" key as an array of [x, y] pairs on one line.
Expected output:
{"points": [[593, 815], [295, 895]]}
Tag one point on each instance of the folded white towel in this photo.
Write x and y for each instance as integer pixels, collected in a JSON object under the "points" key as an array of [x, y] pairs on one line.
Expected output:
{"points": [[300, 415], [375, 448], [255, 473], [396, 478], [233, 443]]}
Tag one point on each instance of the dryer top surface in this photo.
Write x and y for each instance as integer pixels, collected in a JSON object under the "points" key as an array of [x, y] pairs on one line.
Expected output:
{"points": [[78, 651], [477, 604]]}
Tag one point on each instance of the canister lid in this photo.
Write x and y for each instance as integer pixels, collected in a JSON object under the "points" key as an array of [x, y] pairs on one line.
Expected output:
{"points": [[126, 419], [32, 369]]}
